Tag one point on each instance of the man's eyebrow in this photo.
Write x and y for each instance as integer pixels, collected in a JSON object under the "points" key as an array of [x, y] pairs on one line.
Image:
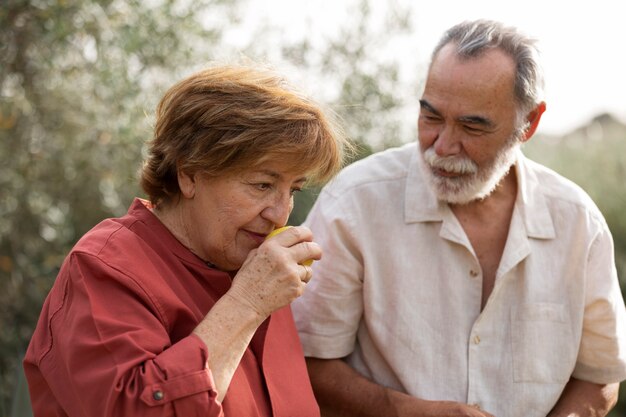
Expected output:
{"points": [[471, 119], [476, 120], [425, 105]]}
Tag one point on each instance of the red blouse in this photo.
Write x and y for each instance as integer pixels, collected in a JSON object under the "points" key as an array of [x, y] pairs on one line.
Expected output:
{"points": [[114, 336]]}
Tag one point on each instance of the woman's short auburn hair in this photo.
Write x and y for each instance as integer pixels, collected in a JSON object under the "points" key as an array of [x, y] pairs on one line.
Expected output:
{"points": [[230, 118]]}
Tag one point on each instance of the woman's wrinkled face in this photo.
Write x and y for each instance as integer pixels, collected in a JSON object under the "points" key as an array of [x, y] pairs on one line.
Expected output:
{"points": [[225, 217]]}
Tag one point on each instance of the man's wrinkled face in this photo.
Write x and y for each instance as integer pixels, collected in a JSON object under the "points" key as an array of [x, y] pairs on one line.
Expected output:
{"points": [[467, 124], [459, 180]]}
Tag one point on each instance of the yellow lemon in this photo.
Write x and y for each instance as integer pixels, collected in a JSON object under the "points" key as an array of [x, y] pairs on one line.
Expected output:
{"points": [[277, 231], [274, 232]]}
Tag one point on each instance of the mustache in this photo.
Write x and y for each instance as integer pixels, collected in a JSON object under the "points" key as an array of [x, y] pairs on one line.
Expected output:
{"points": [[454, 164]]}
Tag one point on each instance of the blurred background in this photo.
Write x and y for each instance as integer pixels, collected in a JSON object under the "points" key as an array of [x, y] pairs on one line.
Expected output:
{"points": [[79, 81]]}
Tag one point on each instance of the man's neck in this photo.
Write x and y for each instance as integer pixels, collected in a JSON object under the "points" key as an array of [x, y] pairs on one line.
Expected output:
{"points": [[486, 223]]}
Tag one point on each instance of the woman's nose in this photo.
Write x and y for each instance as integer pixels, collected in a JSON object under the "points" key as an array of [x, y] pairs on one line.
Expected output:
{"points": [[279, 209]]}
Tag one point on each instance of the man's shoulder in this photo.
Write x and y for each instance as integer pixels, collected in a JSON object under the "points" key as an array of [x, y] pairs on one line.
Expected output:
{"points": [[558, 188], [389, 165]]}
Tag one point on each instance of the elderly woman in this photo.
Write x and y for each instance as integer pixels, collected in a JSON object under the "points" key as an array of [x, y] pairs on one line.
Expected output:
{"points": [[181, 307]]}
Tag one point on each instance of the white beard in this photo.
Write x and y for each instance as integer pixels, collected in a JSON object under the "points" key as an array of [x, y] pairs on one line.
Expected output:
{"points": [[476, 182]]}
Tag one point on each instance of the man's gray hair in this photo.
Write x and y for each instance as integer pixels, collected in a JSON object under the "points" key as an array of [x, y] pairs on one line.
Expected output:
{"points": [[472, 38]]}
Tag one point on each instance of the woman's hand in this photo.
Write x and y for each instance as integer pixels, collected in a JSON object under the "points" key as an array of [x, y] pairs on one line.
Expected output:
{"points": [[272, 275], [270, 278]]}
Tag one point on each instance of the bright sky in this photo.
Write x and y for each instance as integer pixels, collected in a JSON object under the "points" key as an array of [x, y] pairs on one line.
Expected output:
{"points": [[582, 43]]}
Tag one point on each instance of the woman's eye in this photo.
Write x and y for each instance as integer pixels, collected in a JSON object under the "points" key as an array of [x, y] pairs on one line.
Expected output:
{"points": [[263, 186], [295, 190]]}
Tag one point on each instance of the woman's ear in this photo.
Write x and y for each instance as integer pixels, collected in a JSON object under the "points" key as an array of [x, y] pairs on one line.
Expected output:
{"points": [[533, 120], [187, 184]]}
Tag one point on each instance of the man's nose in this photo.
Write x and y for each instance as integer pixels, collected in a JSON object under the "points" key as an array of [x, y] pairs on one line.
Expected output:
{"points": [[447, 142]]}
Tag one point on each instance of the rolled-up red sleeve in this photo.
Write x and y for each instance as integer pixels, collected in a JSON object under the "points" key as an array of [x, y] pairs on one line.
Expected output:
{"points": [[103, 348], [184, 380]]}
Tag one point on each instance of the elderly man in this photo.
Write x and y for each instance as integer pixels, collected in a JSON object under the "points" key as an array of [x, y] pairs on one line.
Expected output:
{"points": [[460, 278]]}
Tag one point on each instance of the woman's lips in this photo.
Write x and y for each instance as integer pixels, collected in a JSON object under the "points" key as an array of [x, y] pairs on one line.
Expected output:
{"points": [[257, 237]]}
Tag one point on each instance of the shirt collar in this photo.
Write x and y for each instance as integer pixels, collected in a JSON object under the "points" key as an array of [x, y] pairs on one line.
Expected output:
{"points": [[421, 204], [531, 201], [141, 210]]}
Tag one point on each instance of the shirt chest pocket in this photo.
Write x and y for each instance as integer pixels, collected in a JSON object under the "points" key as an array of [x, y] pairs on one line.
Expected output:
{"points": [[543, 347]]}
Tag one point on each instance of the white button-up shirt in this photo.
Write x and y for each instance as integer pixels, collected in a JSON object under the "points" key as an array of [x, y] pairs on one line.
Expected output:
{"points": [[398, 290]]}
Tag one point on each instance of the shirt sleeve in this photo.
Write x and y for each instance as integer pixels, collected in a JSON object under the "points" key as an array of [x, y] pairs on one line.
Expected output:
{"points": [[107, 351], [329, 312], [602, 355]]}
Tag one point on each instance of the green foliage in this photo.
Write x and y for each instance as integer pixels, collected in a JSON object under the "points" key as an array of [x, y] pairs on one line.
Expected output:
{"points": [[79, 80], [364, 86], [593, 157], [76, 81]]}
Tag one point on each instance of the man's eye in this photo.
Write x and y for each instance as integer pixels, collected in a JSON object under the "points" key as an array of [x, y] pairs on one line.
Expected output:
{"points": [[431, 118], [473, 130], [263, 186]]}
